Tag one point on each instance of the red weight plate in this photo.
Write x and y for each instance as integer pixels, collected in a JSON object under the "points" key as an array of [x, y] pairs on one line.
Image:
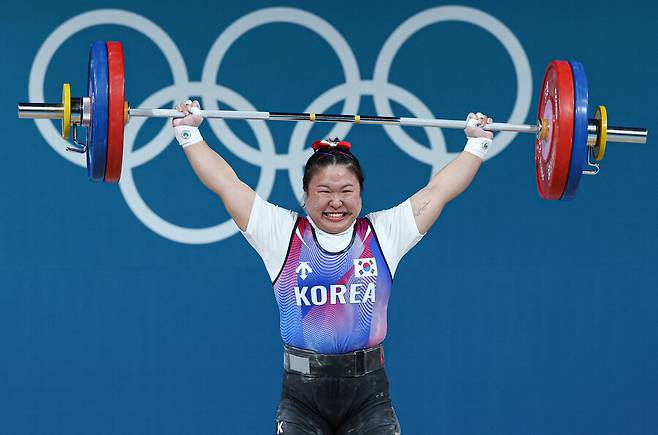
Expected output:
{"points": [[553, 151], [115, 120]]}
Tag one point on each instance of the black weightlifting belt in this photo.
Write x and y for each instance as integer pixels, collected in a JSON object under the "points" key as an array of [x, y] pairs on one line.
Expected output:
{"points": [[353, 364]]}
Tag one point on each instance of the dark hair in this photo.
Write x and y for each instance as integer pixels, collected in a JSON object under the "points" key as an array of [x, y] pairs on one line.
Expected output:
{"points": [[331, 156]]}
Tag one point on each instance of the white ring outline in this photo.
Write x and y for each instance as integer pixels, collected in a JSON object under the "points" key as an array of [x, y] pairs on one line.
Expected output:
{"points": [[80, 22], [471, 16], [266, 158], [249, 22], [366, 87], [145, 214]]}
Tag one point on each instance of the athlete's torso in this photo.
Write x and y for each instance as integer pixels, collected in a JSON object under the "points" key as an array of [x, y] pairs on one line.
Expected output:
{"points": [[333, 302]]}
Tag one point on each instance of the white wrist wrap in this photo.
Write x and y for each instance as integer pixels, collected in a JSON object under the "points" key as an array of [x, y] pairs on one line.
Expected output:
{"points": [[478, 146], [187, 135]]}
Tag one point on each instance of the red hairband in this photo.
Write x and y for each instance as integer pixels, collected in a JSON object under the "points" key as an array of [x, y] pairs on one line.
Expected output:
{"points": [[322, 144]]}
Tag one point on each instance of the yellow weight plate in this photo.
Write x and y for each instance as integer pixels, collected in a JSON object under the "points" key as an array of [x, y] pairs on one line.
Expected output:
{"points": [[126, 112], [601, 138], [66, 117]]}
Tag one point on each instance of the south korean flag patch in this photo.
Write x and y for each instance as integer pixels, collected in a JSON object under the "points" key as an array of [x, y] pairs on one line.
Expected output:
{"points": [[365, 267]]}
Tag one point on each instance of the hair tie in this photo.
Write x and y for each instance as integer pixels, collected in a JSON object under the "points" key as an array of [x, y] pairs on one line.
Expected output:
{"points": [[331, 143]]}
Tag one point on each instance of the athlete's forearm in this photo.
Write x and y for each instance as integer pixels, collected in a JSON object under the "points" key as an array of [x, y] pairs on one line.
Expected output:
{"points": [[455, 177]]}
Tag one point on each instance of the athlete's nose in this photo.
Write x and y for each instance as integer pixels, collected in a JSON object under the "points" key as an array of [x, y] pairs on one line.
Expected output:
{"points": [[335, 201]]}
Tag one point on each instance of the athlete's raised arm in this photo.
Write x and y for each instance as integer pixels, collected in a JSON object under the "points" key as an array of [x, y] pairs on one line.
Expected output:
{"points": [[213, 171], [455, 177]]}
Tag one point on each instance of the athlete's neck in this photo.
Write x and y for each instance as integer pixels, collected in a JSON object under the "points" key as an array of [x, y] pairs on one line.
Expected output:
{"points": [[318, 231], [333, 242]]}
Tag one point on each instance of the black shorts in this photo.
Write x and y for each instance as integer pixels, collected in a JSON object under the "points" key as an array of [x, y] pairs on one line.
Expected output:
{"points": [[336, 405]]}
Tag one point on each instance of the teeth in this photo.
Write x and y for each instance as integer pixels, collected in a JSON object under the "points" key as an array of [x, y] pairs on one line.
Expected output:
{"points": [[334, 215]]}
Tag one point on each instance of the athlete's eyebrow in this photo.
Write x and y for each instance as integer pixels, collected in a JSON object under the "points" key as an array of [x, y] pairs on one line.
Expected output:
{"points": [[341, 187]]}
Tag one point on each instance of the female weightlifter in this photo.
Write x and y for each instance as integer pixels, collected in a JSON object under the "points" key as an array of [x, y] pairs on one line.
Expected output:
{"points": [[332, 273]]}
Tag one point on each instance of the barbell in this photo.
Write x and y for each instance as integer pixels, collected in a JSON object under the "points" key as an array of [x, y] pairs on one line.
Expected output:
{"points": [[567, 142]]}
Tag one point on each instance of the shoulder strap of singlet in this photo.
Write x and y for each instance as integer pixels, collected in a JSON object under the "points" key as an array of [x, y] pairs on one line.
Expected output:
{"points": [[371, 228], [364, 228], [297, 229]]}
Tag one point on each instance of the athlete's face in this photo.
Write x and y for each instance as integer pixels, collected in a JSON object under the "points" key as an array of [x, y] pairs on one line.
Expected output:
{"points": [[333, 199]]}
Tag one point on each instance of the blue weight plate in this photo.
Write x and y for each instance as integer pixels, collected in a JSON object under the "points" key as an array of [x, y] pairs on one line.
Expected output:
{"points": [[579, 148], [98, 93]]}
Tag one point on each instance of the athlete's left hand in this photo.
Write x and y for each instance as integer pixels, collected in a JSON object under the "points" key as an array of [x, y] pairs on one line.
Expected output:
{"points": [[475, 123], [192, 111]]}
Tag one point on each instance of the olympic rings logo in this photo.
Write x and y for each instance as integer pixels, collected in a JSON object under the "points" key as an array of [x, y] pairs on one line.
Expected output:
{"points": [[265, 156]]}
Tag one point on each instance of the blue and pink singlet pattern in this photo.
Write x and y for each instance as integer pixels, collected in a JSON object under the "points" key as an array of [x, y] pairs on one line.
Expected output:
{"points": [[333, 302]]}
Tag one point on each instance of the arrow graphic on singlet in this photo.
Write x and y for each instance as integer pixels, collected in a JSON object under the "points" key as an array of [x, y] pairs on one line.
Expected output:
{"points": [[303, 269]]}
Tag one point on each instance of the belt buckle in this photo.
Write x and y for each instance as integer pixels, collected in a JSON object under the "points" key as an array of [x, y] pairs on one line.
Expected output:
{"points": [[360, 362], [298, 364]]}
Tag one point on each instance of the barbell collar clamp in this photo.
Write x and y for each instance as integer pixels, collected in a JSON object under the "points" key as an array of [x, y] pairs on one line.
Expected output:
{"points": [[80, 111]]}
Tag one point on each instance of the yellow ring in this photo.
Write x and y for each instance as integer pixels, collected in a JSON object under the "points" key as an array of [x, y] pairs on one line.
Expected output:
{"points": [[357, 119], [601, 138], [66, 116], [126, 112], [312, 117]]}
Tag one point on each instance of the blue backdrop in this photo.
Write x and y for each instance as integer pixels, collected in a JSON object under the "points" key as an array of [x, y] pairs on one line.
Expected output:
{"points": [[137, 309]]}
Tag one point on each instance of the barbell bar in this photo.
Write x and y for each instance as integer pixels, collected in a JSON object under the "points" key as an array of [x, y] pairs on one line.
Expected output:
{"points": [[56, 111], [568, 143]]}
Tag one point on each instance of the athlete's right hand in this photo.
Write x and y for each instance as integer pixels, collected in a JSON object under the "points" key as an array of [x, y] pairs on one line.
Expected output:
{"points": [[192, 110]]}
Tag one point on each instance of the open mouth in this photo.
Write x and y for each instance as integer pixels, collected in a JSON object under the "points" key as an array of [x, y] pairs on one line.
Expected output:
{"points": [[334, 216]]}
